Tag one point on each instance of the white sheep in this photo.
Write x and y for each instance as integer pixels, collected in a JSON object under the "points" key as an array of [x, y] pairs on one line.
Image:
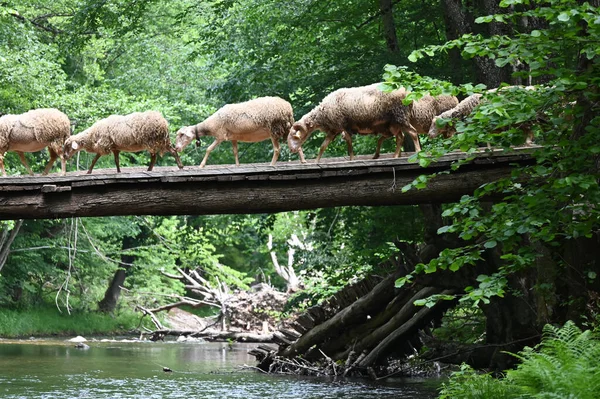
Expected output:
{"points": [[134, 132], [363, 110], [251, 121], [33, 131], [464, 109]]}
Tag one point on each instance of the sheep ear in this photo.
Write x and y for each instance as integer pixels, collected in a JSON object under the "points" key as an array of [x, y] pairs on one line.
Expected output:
{"points": [[190, 134], [74, 145]]}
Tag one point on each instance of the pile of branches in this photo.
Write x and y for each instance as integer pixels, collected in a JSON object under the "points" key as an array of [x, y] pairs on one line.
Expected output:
{"points": [[249, 316]]}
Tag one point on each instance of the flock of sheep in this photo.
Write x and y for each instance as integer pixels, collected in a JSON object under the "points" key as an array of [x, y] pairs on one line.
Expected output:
{"points": [[358, 110]]}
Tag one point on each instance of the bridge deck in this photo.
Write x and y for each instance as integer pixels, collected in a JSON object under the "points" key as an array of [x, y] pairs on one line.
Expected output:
{"points": [[250, 188]]}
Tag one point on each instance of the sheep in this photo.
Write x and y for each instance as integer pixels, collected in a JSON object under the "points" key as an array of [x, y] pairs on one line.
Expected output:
{"points": [[363, 110], [33, 131], [134, 132], [464, 109], [461, 111], [421, 113], [251, 121]]}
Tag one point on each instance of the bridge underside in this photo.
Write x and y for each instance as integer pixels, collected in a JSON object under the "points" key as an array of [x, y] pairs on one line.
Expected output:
{"points": [[250, 188]]}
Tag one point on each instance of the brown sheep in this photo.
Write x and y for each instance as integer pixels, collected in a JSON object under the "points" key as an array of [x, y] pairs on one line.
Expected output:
{"points": [[421, 113], [251, 121], [134, 132], [33, 131], [363, 110]]}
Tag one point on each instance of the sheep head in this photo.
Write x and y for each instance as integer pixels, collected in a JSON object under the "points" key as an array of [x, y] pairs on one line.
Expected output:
{"points": [[185, 135], [72, 146], [298, 134], [441, 126]]}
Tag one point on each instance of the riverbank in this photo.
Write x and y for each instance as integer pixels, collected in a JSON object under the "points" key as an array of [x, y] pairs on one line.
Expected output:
{"points": [[48, 322]]}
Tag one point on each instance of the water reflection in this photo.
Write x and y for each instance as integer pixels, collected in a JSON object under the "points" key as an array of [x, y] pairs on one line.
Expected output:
{"points": [[134, 370]]}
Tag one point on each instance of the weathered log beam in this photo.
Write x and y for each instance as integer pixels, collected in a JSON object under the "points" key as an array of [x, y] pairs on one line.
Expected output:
{"points": [[250, 188]]}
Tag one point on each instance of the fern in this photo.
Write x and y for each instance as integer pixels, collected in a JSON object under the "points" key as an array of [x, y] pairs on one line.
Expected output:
{"points": [[469, 384], [565, 365]]}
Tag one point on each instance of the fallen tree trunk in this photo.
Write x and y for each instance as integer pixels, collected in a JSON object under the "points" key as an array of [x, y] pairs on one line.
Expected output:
{"points": [[410, 325], [349, 335], [372, 339], [376, 299]]}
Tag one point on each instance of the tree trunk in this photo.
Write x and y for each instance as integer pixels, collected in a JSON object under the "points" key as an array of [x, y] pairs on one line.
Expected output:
{"points": [[8, 236], [389, 26], [460, 21], [113, 292]]}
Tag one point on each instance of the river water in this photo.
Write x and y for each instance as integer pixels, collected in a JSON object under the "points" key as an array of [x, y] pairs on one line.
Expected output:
{"points": [[57, 370]]}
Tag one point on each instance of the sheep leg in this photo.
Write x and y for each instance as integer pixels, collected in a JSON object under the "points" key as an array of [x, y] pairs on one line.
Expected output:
{"points": [[177, 159], [379, 143], [94, 163], [2, 164], [209, 150], [63, 165], [152, 161], [301, 155], [326, 142], [415, 138], [24, 162], [235, 152], [116, 154], [276, 150], [348, 138], [50, 162], [397, 132], [528, 137]]}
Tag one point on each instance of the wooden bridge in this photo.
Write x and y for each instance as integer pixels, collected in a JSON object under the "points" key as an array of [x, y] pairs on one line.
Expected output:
{"points": [[250, 188]]}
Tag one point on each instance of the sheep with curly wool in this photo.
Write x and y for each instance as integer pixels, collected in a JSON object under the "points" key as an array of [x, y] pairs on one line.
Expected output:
{"points": [[33, 131], [251, 121], [461, 111], [421, 113], [445, 123], [362, 110], [133, 133]]}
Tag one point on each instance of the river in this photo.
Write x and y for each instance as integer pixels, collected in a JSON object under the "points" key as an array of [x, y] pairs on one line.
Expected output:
{"points": [[56, 370]]}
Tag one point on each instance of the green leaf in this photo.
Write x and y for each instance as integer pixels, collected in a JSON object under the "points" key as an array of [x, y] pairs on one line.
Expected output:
{"points": [[443, 229], [563, 16], [424, 162], [490, 244]]}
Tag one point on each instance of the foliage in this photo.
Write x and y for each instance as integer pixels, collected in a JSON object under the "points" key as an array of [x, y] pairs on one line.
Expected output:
{"points": [[464, 324], [46, 321], [564, 365], [555, 205], [184, 58], [469, 384]]}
